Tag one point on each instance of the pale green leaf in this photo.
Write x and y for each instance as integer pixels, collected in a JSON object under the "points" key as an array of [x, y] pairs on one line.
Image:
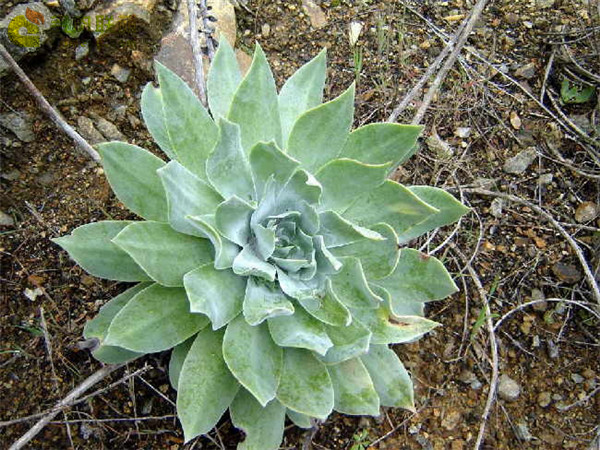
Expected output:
{"points": [[162, 252], [343, 179], [302, 91], [351, 286], [348, 342], [391, 380], [254, 107], [328, 309], [263, 425], [223, 79], [450, 210], [305, 386], [92, 248], [378, 257], [390, 203], [379, 143], [217, 293], [253, 358], [264, 300], [391, 329], [301, 331], [266, 161], [247, 264], [319, 134], [354, 390], [206, 387], [338, 232], [131, 172], [178, 355], [264, 241], [187, 195], [302, 186], [156, 319], [299, 419], [417, 278], [177, 121], [232, 219], [98, 328], [225, 250], [227, 167]]}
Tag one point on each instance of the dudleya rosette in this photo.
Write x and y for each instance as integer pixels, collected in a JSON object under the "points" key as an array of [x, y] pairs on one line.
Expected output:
{"points": [[271, 258]]}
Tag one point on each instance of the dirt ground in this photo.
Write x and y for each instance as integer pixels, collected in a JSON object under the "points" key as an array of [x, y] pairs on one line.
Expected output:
{"points": [[477, 122]]}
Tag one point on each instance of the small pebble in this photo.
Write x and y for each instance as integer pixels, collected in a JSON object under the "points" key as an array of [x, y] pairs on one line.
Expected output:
{"points": [[508, 389], [120, 73], [577, 378], [544, 399], [522, 432]]}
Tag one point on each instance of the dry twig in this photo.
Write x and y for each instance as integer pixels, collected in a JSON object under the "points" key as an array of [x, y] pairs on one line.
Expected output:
{"points": [[48, 109]]}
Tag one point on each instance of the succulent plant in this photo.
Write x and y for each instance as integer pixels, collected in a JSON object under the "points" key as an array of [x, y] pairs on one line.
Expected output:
{"points": [[272, 256]]}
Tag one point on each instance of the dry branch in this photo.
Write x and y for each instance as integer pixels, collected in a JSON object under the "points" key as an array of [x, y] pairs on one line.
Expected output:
{"points": [[196, 51], [48, 109]]}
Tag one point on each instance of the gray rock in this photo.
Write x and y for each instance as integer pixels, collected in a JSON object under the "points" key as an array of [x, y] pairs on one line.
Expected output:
{"points": [[120, 73], [496, 207], [520, 162], [108, 129], [19, 124], [544, 4], [11, 176], [467, 377], [545, 179], [88, 130], [577, 378], [265, 30], [553, 351], [82, 50], [527, 71], [522, 432], [6, 220], [508, 389]]}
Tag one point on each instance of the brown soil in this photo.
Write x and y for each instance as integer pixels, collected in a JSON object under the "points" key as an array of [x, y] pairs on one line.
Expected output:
{"points": [[51, 189]]}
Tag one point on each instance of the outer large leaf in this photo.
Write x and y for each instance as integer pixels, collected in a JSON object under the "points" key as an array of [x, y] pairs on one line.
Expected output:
{"points": [[391, 380], [338, 232], [299, 419], [319, 134], [156, 319], [248, 264], [131, 172], [217, 293], [177, 121], [254, 106], [417, 278], [351, 286], [178, 355], [378, 258], [266, 161], [98, 328], [299, 330], [391, 329], [391, 203], [450, 210], [305, 386], [348, 342], [302, 91], [206, 387], [227, 166], [378, 143], [354, 390], [225, 250], [342, 179], [91, 247], [187, 195], [263, 301], [263, 425], [165, 254], [253, 358], [223, 79]]}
